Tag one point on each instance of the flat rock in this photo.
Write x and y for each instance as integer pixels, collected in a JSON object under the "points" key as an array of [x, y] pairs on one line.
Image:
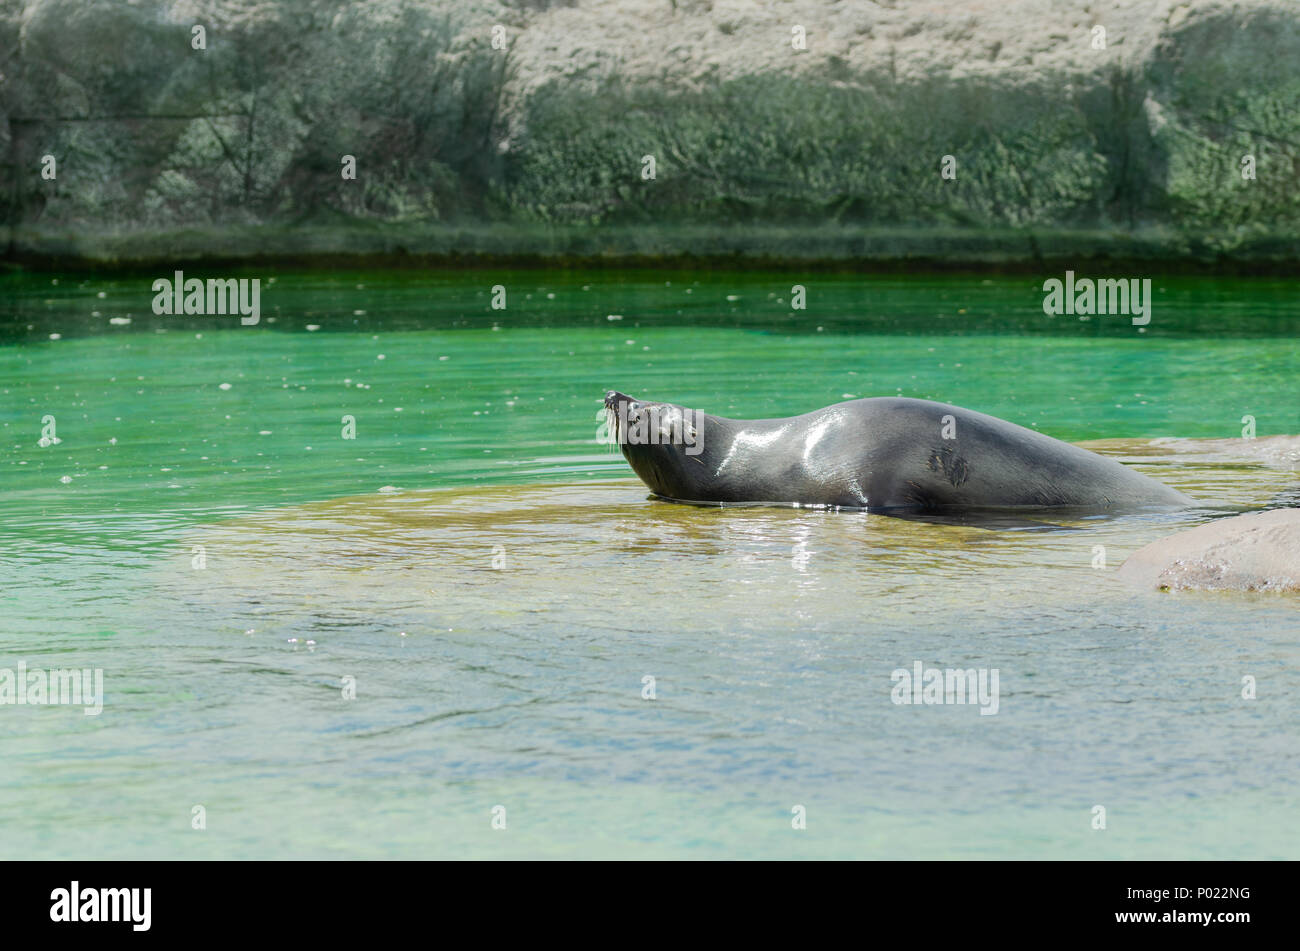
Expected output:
{"points": [[1259, 551]]}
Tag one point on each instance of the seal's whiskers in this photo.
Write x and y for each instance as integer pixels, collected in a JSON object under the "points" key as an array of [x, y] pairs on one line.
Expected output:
{"points": [[611, 425]]}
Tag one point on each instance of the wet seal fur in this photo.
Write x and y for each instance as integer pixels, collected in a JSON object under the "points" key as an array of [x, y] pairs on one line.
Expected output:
{"points": [[881, 454]]}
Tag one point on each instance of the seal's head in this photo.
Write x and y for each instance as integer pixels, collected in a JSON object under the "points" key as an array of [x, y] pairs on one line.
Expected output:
{"points": [[664, 443]]}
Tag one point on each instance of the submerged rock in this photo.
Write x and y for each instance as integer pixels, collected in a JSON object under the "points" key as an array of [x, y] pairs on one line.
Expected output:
{"points": [[1259, 551]]}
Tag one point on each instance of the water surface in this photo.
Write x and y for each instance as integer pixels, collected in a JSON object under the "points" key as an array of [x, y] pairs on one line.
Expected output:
{"points": [[501, 600]]}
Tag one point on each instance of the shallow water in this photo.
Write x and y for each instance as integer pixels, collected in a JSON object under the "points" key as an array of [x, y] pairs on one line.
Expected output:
{"points": [[500, 603]]}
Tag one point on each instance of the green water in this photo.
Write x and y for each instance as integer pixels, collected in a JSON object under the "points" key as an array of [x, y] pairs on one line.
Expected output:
{"points": [[521, 685]]}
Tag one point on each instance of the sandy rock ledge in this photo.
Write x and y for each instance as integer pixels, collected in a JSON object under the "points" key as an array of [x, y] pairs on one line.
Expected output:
{"points": [[1259, 551]]}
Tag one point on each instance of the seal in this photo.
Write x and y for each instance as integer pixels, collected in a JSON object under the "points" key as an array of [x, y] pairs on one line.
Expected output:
{"points": [[879, 454]]}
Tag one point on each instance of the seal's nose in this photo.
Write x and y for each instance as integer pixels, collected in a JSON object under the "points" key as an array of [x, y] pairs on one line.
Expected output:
{"points": [[613, 398]]}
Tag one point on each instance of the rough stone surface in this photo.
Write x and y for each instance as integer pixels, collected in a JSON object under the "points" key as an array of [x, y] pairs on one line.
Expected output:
{"points": [[1259, 551], [1049, 129]]}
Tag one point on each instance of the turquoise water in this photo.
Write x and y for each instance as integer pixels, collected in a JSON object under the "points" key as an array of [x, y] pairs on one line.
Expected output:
{"points": [[772, 634]]}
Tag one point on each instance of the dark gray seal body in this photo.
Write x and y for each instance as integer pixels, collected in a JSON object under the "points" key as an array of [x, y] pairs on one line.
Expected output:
{"points": [[877, 454]]}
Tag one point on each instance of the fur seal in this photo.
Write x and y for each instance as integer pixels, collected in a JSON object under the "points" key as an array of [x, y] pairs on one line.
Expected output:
{"points": [[879, 454]]}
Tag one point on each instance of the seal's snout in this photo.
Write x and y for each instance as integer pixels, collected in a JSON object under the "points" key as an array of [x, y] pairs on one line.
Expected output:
{"points": [[618, 407], [613, 398]]}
